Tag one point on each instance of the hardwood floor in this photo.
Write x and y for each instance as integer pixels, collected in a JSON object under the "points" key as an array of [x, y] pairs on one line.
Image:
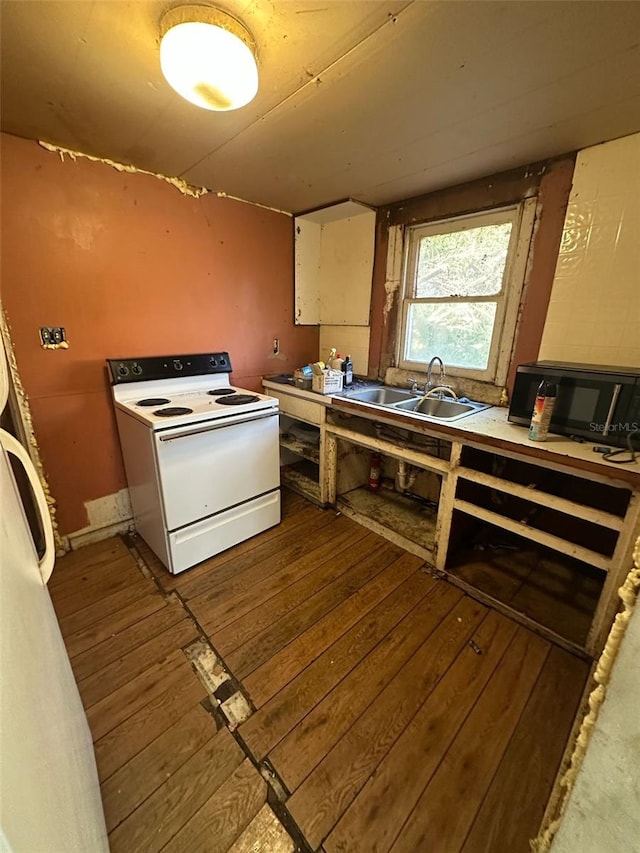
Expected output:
{"points": [[172, 776], [390, 711], [555, 592]]}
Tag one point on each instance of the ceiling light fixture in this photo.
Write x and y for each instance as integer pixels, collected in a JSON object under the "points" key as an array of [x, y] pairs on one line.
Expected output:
{"points": [[208, 57]]}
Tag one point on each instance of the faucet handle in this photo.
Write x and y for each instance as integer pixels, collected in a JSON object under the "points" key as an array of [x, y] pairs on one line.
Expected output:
{"points": [[414, 386]]}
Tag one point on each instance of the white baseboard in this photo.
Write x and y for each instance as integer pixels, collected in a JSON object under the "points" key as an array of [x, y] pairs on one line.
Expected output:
{"points": [[108, 516], [88, 535]]}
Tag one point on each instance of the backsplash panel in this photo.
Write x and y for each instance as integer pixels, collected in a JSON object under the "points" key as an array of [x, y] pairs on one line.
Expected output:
{"points": [[594, 311], [348, 340]]}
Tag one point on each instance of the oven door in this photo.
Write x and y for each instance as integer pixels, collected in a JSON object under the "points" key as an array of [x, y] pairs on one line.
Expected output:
{"points": [[206, 468]]}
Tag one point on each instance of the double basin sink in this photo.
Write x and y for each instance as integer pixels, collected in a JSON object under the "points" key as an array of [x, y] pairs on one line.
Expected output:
{"points": [[432, 408]]}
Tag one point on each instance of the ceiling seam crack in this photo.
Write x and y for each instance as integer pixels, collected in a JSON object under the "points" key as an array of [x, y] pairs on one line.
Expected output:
{"points": [[312, 81]]}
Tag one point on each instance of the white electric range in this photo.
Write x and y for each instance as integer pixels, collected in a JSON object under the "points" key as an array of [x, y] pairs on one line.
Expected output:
{"points": [[201, 456]]}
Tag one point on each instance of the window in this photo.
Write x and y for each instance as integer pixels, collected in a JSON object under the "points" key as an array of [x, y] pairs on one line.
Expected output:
{"points": [[462, 283]]}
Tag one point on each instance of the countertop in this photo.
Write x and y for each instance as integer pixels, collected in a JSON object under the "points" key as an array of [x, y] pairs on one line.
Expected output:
{"points": [[488, 427], [283, 382]]}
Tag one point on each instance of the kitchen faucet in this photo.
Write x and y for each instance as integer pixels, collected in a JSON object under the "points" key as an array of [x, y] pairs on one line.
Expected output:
{"points": [[438, 388], [428, 385]]}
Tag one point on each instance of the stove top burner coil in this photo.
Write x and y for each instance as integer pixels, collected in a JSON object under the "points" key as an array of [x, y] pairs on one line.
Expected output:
{"points": [[238, 399], [153, 401], [173, 410], [219, 392]]}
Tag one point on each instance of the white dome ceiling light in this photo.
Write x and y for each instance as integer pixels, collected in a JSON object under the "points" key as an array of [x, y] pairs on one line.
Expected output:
{"points": [[208, 57]]}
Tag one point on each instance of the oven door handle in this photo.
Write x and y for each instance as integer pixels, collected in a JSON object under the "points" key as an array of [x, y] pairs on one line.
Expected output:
{"points": [[614, 399], [220, 425]]}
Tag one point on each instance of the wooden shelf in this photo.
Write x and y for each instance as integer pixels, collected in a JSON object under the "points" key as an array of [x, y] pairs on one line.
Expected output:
{"points": [[421, 459], [535, 495], [411, 523], [539, 536], [301, 448], [302, 477]]}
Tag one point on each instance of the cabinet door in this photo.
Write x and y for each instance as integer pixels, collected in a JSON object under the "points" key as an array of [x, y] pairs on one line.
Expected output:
{"points": [[307, 274], [346, 270], [302, 410], [334, 250]]}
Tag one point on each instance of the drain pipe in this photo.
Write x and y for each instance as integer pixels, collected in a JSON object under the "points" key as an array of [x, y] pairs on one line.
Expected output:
{"points": [[405, 476]]}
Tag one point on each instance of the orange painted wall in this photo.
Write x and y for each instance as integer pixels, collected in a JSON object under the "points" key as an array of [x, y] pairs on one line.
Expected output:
{"points": [[130, 267]]}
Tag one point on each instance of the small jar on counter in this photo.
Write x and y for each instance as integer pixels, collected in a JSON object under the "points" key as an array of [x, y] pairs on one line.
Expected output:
{"points": [[347, 369]]}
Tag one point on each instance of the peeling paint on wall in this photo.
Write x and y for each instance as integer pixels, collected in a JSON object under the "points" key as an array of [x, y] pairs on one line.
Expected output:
{"points": [[107, 516], [132, 256], [26, 426], [178, 183], [394, 268], [110, 509], [628, 594], [221, 194]]}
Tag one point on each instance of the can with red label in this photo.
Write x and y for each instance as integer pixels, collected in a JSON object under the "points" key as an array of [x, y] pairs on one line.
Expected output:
{"points": [[374, 473]]}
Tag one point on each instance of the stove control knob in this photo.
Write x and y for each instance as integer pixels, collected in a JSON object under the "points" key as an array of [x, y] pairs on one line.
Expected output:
{"points": [[136, 369], [177, 364], [213, 362], [223, 361], [123, 370]]}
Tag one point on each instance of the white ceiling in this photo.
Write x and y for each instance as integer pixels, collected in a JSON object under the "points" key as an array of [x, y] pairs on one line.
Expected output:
{"points": [[376, 100]]}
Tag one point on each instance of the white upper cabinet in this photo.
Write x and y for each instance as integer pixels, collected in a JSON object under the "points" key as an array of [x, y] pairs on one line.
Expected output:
{"points": [[334, 265]]}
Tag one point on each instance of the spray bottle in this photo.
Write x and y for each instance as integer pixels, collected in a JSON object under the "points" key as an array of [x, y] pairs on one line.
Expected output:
{"points": [[542, 410]]}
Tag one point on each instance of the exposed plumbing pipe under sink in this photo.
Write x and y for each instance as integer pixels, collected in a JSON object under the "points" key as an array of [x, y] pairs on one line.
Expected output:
{"points": [[405, 476]]}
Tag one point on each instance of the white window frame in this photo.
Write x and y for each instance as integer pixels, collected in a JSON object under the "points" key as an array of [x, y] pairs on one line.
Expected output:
{"points": [[522, 217]]}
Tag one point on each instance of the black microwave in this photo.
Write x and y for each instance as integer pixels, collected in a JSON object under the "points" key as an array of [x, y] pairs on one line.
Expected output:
{"points": [[593, 401]]}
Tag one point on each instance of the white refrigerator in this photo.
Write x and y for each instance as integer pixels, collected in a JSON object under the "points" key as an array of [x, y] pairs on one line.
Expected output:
{"points": [[49, 792]]}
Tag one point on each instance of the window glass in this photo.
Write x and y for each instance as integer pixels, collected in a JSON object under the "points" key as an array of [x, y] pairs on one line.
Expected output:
{"points": [[470, 262], [459, 332], [462, 281]]}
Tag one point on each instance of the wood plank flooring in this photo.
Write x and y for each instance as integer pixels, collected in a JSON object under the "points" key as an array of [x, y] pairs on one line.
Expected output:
{"points": [[172, 777], [391, 711], [555, 592]]}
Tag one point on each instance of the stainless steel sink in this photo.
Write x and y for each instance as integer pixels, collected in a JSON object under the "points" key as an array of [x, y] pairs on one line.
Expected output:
{"points": [[383, 396], [429, 408], [441, 410]]}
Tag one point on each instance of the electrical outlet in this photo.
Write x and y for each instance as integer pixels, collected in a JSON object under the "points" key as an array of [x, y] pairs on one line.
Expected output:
{"points": [[52, 336]]}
